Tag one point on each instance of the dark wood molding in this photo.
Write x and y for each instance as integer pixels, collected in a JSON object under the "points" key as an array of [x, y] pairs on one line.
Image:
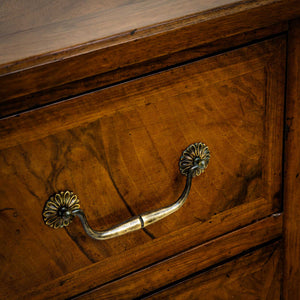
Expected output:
{"points": [[64, 66], [256, 275], [98, 81], [144, 281], [292, 168]]}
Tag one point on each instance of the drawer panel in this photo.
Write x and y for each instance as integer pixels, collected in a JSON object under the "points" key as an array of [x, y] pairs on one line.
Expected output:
{"points": [[254, 276], [118, 150], [187, 264]]}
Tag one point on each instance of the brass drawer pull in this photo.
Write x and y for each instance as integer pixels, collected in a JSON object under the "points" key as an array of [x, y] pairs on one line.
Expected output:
{"points": [[60, 209]]}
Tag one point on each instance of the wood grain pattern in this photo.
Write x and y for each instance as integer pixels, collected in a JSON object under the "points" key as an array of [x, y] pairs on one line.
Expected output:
{"points": [[189, 262], [147, 254], [34, 100], [118, 149], [292, 169], [67, 65], [45, 27], [255, 276]]}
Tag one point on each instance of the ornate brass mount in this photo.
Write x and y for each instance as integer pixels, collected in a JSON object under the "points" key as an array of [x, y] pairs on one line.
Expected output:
{"points": [[60, 209]]}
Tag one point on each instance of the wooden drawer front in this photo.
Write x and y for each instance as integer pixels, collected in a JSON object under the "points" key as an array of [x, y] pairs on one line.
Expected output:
{"points": [[194, 261], [254, 276], [118, 150]]}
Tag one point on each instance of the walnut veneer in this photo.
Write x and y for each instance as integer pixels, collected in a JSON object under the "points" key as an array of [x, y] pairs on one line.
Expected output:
{"points": [[105, 108]]}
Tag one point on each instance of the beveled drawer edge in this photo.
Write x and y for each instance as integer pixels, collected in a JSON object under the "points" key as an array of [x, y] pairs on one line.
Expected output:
{"points": [[149, 253], [42, 122], [62, 91], [191, 261], [220, 277]]}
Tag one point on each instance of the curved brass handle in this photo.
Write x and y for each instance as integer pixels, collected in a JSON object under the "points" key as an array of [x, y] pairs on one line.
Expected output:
{"points": [[60, 209]]}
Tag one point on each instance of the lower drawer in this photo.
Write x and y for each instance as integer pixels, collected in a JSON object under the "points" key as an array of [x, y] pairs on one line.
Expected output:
{"points": [[256, 275], [259, 266]]}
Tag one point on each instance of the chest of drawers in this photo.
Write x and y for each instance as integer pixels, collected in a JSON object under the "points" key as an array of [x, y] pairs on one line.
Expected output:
{"points": [[106, 114]]}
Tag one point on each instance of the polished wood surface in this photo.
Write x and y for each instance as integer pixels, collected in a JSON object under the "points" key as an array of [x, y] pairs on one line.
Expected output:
{"points": [[62, 66], [101, 98], [44, 27], [118, 149], [254, 276], [168, 271], [292, 168], [63, 91]]}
